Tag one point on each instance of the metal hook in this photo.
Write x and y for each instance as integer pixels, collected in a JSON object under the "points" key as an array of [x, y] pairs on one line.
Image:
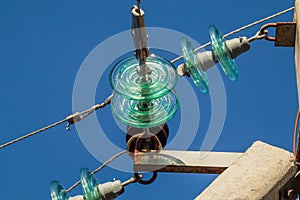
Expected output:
{"points": [[263, 29], [145, 182]]}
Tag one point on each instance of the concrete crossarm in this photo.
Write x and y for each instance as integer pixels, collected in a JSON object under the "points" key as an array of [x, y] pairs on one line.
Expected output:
{"points": [[258, 174]]}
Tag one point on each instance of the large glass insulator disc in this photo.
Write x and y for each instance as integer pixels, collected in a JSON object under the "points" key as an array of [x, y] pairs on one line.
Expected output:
{"points": [[222, 53], [151, 80], [197, 74], [90, 185], [58, 192], [145, 114]]}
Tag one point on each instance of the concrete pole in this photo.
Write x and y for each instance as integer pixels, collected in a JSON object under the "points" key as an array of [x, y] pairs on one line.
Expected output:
{"points": [[258, 174]]}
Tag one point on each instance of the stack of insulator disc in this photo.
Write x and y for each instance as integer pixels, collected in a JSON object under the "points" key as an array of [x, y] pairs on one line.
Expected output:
{"points": [[144, 95]]}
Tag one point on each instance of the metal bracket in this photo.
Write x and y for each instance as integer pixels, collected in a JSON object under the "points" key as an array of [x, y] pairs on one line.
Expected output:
{"points": [[185, 161], [291, 190], [285, 34]]}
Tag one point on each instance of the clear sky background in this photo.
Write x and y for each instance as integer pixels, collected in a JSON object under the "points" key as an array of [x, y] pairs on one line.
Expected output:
{"points": [[42, 45]]}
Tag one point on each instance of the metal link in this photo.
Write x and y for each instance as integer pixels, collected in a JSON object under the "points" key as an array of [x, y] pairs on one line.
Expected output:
{"points": [[263, 29], [258, 36]]}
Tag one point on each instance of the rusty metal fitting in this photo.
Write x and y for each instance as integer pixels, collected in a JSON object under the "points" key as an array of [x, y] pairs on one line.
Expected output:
{"points": [[285, 33], [139, 144], [137, 139], [263, 31]]}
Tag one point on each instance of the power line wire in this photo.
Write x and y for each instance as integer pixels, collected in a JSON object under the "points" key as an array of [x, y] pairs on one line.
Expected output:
{"points": [[259, 21], [32, 133], [71, 119], [240, 29], [99, 168]]}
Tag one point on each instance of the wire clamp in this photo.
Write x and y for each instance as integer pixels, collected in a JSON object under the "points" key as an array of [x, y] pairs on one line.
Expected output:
{"points": [[78, 116], [72, 119]]}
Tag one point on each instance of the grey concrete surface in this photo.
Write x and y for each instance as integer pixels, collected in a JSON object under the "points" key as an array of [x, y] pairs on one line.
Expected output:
{"points": [[258, 174]]}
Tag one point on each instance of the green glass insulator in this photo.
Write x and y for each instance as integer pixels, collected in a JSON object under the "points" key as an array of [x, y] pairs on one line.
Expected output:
{"points": [[222, 53], [154, 79], [197, 74], [58, 192], [145, 114], [90, 185]]}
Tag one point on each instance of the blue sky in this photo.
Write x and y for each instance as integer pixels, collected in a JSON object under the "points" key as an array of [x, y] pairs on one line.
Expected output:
{"points": [[43, 44]]}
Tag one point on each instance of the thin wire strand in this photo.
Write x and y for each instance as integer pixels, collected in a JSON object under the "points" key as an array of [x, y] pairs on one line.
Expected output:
{"points": [[33, 133], [240, 29], [259, 21], [83, 114], [99, 168]]}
